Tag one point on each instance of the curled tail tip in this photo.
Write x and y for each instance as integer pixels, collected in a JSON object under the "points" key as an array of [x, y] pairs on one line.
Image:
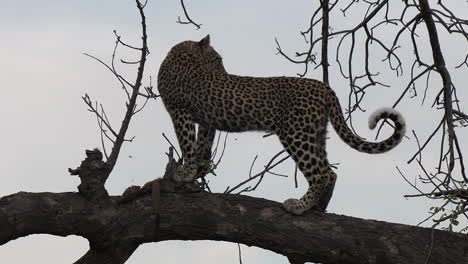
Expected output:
{"points": [[386, 112], [376, 116]]}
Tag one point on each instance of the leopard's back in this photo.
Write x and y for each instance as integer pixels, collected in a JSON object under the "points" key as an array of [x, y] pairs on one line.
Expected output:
{"points": [[242, 103]]}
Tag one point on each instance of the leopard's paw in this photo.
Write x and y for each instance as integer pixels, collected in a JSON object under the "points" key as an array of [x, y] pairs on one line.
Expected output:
{"points": [[294, 206], [184, 174]]}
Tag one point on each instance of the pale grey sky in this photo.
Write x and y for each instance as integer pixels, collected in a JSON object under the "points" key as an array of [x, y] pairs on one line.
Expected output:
{"points": [[46, 128]]}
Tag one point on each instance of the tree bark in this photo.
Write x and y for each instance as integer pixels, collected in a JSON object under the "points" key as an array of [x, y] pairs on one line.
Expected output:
{"points": [[114, 255], [313, 237]]}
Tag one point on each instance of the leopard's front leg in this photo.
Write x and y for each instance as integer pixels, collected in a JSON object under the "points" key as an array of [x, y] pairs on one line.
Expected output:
{"points": [[185, 131]]}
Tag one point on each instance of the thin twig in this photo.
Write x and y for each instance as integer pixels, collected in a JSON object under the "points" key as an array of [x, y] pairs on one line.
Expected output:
{"points": [[172, 145], [268, 167], [189, 20]]}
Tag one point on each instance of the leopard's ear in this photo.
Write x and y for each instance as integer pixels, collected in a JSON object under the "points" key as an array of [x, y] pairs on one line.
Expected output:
{"points": [[205, 42]]}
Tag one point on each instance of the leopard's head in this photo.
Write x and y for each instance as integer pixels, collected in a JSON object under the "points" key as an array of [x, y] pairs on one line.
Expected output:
{"points": [[198, 54]]}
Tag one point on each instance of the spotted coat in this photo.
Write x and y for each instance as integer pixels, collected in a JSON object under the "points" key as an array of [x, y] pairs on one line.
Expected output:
{"points": [[195, 88]]}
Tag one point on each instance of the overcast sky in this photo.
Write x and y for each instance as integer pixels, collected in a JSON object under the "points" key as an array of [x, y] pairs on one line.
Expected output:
{"points": [[46, 128]]}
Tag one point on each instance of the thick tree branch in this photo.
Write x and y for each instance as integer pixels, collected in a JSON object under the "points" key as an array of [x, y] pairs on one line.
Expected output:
{"points": [[325, 27], [317, 237], [115, 255], [439, 62]]}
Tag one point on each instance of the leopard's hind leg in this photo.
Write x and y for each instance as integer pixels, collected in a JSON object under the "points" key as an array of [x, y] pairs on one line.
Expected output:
{"points": [[328, 191], [306, 145]]}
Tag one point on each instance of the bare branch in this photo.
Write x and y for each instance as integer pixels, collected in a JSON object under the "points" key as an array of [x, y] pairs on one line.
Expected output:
{"points": [[260, 175], [135, 91], [189, 20], [100, 116], [172, 145]]}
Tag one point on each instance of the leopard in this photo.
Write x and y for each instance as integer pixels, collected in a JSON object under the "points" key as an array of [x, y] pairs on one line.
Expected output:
{"points": [[201, 97]]}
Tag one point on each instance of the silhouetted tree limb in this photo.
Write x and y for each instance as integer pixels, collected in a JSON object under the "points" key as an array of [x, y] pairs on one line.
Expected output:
{"points": [[132, 91], [113, 255], [115, 230]]}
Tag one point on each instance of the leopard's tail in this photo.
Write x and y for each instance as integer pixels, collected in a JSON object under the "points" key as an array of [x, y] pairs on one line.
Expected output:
{"points": [[356, 142]]}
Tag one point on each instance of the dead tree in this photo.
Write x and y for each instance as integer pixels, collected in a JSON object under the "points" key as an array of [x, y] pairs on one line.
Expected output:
{"points": [[164, 210]]}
